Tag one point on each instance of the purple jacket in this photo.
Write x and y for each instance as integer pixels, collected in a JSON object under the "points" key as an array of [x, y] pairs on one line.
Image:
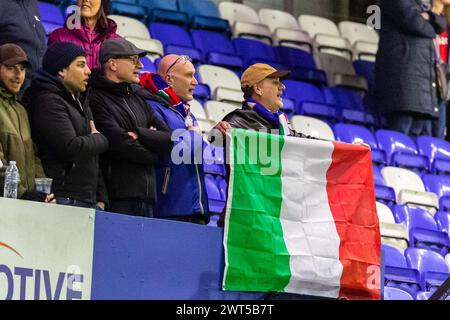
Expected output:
{"points": [[89, 40]]}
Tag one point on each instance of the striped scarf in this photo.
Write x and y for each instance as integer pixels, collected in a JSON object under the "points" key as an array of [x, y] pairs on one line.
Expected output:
{"points": [[277, 120], [156, 85]]}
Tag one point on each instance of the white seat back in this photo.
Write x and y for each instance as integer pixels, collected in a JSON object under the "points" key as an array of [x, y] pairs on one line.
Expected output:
{"points": [[216, 110], [365, 51], [153, 46], [216, 77], [399, 179], [276, 19], [251, 30], [127, 26], [355, 32], [233, 12], [317, 25], [205, 125], [384, 213], [447, 259], [293, 38], [197, 110], [312, 127], [327, 43]]}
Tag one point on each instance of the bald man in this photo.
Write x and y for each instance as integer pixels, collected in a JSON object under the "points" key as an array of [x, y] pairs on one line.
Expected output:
{"points": [[180, 177]]}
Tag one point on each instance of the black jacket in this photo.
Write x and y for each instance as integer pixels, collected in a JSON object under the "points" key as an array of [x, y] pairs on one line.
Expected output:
{"points": [[20, 24], [404, 70], [246, 118], [61, 130], [128, 165]]}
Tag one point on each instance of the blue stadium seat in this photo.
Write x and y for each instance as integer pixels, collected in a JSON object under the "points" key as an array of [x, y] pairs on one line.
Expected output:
{"points": [[175, 39], [149, 66], [423, 230], [202, 93], [309, 100], [222, 183], [301, 64], [367, 70], [216, 204], [441, 186], [216, 49], [165, 11], [204, 14], [431, 266], [350, 102], [213, 163], [438, 153], [377, 176], [386, 195], [401, 151], [288, 106], [253, 51], [350, 132], [424, 295], [397, 274], [51, 16], [396, 294], [443, 221], [129, 8], [199, 8]]}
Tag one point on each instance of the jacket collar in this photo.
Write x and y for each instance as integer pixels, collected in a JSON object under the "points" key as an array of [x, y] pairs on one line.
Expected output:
{"points": [[99, 81], [6, 95], [83, 32]]}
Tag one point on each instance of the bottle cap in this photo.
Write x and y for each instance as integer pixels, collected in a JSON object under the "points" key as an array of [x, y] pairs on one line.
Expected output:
{"points": [[12, 162]]}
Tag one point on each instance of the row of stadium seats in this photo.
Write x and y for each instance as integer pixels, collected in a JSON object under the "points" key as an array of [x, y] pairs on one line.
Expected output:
{"points": [[415, 271], [348, 40]]}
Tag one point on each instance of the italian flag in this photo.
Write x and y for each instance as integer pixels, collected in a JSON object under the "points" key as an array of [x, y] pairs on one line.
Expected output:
{"points": [[301, 218]]}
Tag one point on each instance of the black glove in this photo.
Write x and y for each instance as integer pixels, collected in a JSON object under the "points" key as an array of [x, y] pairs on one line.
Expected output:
{"points": [[34, 196]]}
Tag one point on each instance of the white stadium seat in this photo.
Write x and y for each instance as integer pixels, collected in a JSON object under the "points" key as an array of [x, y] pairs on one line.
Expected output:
{"points": [[409, 188], [153, 46], [365, 51], [334, 45], [391, 233], [237, 12], [197, 110], [224, 84], [293, 38], [276, 19], [355, 32], [317, 25], [312, 127], [250, 30], [130, 27], [206, 125], [217, 110]]}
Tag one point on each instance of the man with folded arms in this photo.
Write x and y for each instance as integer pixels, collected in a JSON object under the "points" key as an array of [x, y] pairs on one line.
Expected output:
{"points": [[138, 139]]}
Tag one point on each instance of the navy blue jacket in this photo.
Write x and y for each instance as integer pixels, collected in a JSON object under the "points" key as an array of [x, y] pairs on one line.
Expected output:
{"points": [[404, 71], [20, 24], [181, 189]]}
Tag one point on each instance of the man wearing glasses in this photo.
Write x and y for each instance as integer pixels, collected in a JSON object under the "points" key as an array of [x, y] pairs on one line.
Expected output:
{"points": [[169, 93], [137, 138]]}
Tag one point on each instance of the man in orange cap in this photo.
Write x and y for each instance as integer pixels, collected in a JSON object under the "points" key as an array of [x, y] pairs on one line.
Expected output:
{"points": [[262, 89]]}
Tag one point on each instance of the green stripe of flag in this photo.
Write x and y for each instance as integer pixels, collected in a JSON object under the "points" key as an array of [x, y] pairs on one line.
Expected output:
{"points": [[254, 217]]}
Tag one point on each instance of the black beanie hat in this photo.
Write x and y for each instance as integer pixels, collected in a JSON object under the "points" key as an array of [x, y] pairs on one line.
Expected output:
{"points": [[60, 55]]}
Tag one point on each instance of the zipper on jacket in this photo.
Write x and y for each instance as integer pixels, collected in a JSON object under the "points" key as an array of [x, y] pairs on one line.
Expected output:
{"points": [[199, 190], [166, 181], [131, 111]]}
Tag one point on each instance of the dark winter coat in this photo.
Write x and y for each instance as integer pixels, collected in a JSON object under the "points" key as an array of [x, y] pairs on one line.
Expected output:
{"points": [[60, 127], [20, 24], [405, 76], [181, 187], [128, 165]]}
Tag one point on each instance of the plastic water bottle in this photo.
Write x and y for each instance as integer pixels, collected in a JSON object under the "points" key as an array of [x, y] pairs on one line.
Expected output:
{"points": [[12, 180]]}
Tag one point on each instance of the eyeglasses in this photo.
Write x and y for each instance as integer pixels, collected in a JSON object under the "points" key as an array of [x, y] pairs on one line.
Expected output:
{"points": [[182, 57], [134, 59]]}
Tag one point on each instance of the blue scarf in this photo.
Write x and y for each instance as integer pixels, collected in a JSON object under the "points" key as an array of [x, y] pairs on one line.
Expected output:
{"points": [[277, 120]]}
